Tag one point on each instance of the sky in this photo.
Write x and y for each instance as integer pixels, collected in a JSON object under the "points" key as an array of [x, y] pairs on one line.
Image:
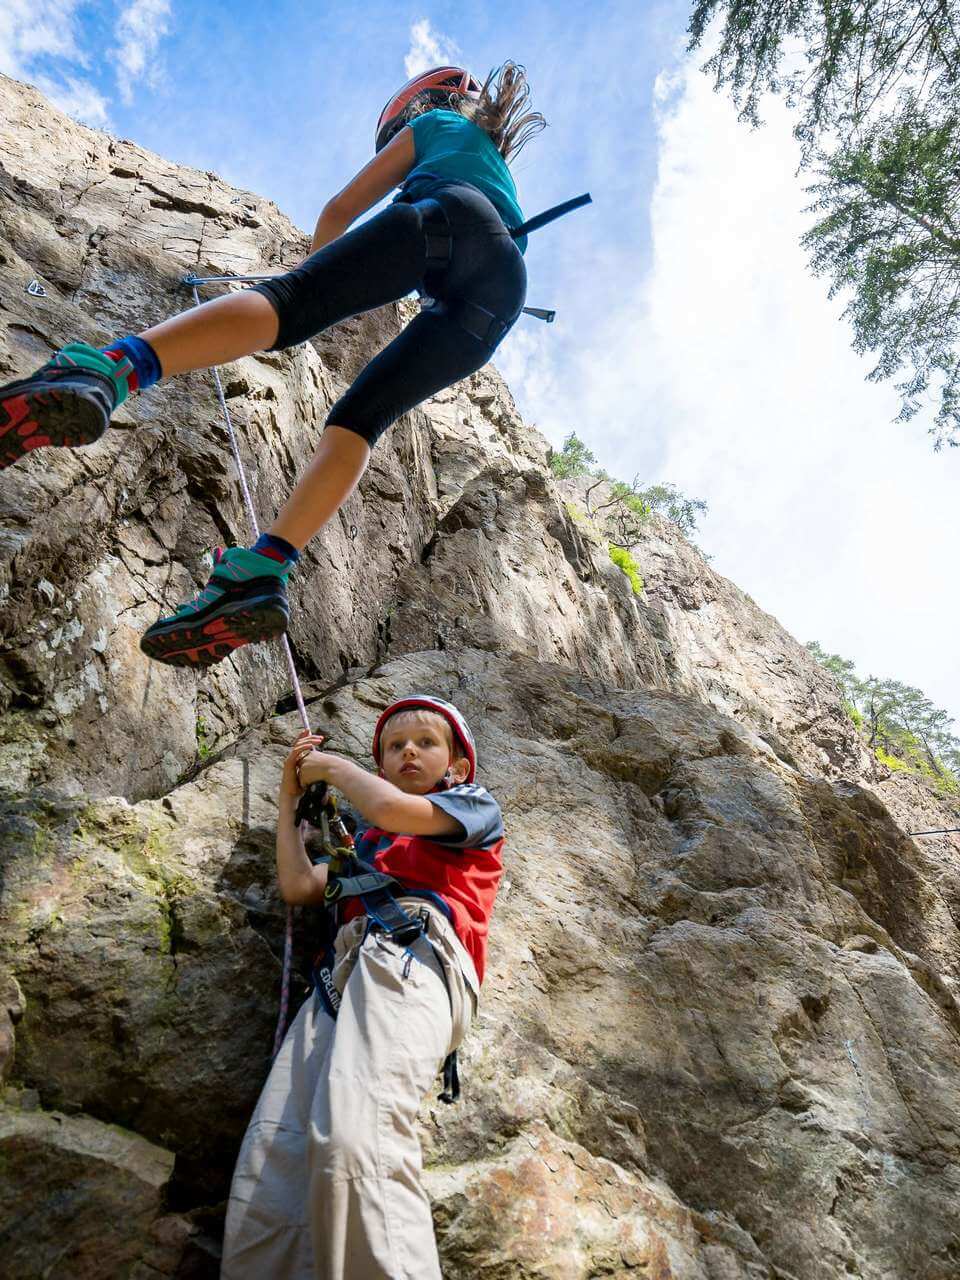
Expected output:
{"points": [[692, 344]]}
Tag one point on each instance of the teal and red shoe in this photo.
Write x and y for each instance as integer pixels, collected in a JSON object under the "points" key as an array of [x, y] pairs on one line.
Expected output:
{"points": [[244, 602], [67, 402]]}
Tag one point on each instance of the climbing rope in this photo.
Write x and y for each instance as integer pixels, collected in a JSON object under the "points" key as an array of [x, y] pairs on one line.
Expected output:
{"points": [[943, 831], [297, 692]]}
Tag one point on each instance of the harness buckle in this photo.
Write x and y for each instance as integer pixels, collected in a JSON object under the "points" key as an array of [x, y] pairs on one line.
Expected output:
{"points": [[407, 934]]}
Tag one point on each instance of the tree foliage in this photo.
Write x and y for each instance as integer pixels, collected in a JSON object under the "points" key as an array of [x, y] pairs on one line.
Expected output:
{"points": [[573, 460], [875, 88], [898, 721], [619, 508]]}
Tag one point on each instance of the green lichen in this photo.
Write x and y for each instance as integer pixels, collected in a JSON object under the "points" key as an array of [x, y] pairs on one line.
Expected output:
{"points": [[625, 562], [584, 522], [144, 848]]}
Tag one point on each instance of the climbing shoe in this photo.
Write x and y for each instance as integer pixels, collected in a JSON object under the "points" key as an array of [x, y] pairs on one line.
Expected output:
{"points": [[244, 602], [68, 402]]}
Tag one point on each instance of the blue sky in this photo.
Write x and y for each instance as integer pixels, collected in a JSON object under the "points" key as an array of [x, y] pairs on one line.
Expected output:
{"points": [[691, 343]]}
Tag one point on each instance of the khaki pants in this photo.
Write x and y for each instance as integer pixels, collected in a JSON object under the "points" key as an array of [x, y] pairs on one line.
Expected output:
{"points": [[327, 1184]]}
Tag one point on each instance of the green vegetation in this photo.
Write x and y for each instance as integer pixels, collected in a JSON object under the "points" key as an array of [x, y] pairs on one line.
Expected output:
{"points": [[618, 512], [573, 460], [875, 91], [901, 726], [625, 561], [621, 508], [203, 744]]}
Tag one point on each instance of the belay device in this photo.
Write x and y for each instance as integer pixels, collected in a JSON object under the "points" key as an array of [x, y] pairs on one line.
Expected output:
{"points": [[348, 876]]}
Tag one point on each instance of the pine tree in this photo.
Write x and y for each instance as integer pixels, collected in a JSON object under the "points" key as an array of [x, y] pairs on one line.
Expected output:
{"points": [[573, 460], [876, 103]]}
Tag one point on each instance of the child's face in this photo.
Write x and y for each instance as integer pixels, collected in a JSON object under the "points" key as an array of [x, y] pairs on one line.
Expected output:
{"points": [[416, 750]]}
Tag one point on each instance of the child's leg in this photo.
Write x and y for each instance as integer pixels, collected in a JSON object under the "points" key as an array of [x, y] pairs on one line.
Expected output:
{"points": [[245, 600], [333, 474], [429, 354], [267, 1230], [370, 1216], [215, 333]]}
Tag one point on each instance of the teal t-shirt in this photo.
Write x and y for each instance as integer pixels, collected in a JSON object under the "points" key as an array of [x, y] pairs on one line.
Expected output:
{"points": [[449, 145]]}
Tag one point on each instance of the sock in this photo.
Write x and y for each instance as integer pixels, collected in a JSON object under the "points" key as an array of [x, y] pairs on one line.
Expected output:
{"points": [[142, 359], [268, 544]]}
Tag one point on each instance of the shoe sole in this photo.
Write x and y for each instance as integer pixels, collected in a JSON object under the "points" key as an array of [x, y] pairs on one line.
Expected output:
{"points": [[202, 644], [49, 414]]}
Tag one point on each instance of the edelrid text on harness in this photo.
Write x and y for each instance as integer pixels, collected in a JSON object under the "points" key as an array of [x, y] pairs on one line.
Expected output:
{"points": [[350, 877]]}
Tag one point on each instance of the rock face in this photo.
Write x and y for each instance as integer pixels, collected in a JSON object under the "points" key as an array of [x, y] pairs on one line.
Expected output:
{"points": [[720, 1037]]}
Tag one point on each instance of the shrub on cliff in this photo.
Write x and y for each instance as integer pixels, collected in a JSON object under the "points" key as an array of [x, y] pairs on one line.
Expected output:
{"points": [[898, 722]]}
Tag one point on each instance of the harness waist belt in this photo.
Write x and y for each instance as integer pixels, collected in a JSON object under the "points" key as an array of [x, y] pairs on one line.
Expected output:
{"points": [[549, 215]]}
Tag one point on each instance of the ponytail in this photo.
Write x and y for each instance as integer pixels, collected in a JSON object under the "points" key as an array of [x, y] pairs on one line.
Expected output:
{"points": [[502, 109]]}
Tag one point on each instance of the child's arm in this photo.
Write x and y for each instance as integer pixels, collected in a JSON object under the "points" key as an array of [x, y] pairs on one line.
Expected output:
{"points": [[384, 172], [301, 883], [377, 801]]}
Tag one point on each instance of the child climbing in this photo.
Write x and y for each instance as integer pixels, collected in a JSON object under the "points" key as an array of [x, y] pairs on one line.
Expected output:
{"points": [[327, 1183], [446, 138]]}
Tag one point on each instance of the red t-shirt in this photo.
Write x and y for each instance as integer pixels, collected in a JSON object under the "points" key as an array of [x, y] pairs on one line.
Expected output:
{"points": [[465, 873]]}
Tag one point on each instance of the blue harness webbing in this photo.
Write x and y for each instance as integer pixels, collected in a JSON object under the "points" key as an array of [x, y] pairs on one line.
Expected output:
{"points": [[548, 215], [350, 877], [473, 319]]}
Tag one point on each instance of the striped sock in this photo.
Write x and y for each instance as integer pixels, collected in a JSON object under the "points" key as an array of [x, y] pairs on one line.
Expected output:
{"points": [[142, 358], [268, 544]]}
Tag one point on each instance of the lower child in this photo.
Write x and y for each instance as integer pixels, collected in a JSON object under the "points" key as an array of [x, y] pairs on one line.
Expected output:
{"points": [[327, 1184]]}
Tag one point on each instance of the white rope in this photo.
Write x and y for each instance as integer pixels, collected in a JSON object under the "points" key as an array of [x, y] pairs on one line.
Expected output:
{"points": [[291, 668]]}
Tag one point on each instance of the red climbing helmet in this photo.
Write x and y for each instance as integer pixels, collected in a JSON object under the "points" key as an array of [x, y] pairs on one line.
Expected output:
{"points": [[426, 702], [438, 85]]}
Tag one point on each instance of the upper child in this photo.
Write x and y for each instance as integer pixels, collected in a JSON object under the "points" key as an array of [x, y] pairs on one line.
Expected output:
{"points": [[445, 139]]}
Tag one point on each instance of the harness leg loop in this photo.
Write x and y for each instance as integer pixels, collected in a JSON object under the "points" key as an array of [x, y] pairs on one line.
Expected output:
{"points": [[438, 240]]}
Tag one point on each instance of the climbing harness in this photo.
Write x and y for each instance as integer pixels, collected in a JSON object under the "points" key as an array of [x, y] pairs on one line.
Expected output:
{"points": [[348, 876], [191, 281], [475, 320]]}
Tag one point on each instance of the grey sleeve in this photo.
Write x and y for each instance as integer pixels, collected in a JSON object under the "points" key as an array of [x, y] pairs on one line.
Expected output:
{"points": [[476, 811]]}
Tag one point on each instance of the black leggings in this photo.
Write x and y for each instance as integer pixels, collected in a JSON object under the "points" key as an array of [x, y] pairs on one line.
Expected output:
{"points": [[385, 259]]}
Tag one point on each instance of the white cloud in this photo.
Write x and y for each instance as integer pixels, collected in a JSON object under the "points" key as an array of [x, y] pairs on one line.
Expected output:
{"points": [[30, 28], [37, 29], [141, 27], [724, 368], [428, 48], [77, 98], [835, 518]]}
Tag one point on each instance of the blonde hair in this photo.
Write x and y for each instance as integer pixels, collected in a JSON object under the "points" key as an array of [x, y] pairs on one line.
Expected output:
{"points": [[423, 715], [502, 110]]}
